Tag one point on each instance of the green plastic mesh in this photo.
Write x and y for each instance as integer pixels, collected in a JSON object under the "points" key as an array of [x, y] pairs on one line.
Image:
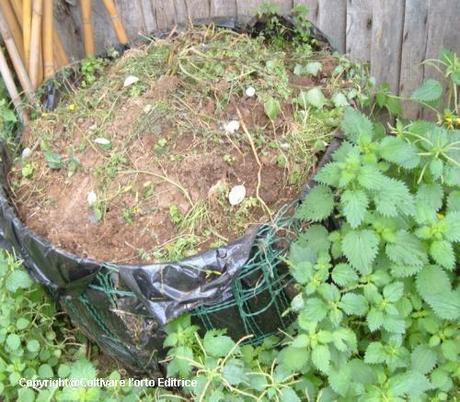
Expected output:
{"points": [[257, 305]]}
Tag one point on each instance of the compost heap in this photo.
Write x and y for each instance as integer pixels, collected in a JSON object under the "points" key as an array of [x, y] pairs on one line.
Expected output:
{"points": [[178, 145]]}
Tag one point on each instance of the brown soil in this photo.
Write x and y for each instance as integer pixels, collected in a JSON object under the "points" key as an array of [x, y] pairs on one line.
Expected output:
{"points": [[55, 205]]}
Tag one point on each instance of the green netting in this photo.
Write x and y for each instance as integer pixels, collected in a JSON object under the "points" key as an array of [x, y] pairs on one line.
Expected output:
{"points": [[257, 305]]}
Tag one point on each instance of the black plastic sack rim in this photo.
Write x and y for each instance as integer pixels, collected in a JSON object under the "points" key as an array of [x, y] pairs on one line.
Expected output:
{"points": [[165, 289]]}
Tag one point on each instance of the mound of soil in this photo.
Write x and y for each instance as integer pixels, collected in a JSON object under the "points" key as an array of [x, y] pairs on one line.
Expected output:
{"points": [[138, 160]]}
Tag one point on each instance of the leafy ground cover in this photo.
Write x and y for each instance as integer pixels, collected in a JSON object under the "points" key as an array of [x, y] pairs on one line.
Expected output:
{"points": [[141, 160]]}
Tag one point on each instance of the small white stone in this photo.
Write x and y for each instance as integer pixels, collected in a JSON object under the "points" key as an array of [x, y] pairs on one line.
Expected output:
{"points": [[102, 141], [91, 198], [232, 126], [285, 146], [250, 92], [26, 152], [129, 80], [92, 127], [148, 108], [237, 195]]}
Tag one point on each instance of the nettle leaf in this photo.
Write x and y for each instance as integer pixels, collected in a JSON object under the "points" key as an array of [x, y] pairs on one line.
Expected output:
{"points": [[356, 125], [429, 91], [315, 310], [294, 359], [343, 275], [289, 395], [393, 292], [234, 372], [53, 159], [394, 324], [434, 286], [321, 357], [375, 319], [411, 383], [360, 247], [217, 346], [272, 108], [340, 100], [354, 204], [399, 152], [313, 97], [316, 237], [452, 176], [453, 201], [406, 250], [443, 254], [317, 205], [371, 178], [375, 353], [329, 174], [18, 280], [393, 198], [423, 359], [82, 369], [428, 201], [453, 226], [355, 304]]}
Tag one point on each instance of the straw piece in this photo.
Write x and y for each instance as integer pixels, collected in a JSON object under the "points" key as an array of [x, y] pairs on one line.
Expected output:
{"points": [[15, 29], [35, 42], [116, 22], [16, 58], [87, 27], [48, 38], [11, 87]]}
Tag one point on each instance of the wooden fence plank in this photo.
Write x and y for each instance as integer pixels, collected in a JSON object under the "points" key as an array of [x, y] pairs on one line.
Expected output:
{"points": [[165, 14], [247, 8], [223, 8], [148, 14], [197, 9], [359, 29], [387, 35], [132, 17], [413, 53], [333, 21]]}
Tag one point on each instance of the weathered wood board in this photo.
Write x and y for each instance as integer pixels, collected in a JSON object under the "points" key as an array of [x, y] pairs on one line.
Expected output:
{"points": [[395, 36]]}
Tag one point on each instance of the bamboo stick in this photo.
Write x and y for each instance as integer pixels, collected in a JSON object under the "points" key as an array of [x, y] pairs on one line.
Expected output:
{"points": [[26, 26], [13, 25], [116, 21], [11, 87], [87, 27], [48, 30], [59, 51], [15, 57], [35, 42]]}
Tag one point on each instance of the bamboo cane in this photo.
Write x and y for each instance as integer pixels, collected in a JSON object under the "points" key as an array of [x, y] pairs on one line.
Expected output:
{"points": [[87, 27], [35, 42], [15, 57], [26, 26], [8, 79], [116, 21], [60, 54], [13, 25], [48, 38]]}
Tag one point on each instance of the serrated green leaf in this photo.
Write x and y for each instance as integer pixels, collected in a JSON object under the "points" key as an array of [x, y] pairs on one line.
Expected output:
{"points": [[354, 204], [343, 275], [340, 381], [289, 395], [423, 359], [45, 371], [360, 247], [234, 372], [340, 100], [406, 250], [453, 226], [399, 152], [217, 346], [452, 175], [429, 91], [411, 383], [393, 292], [428, 201], [316, 237], [355, 304], [450, 349], [356, 126], [329, 174], [33, 345], [375, 319], [394, 198], [453, 201], [375, 353], [315, 310], [294, 359], [371, 178], [313, 97], [53, 160], [18, 280], [83, 369], [394, 325], [318, 204], [443, 254], [321, 357], [13, 341], [313, 68], [434, 286], [301, 341], [272, 108]]}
